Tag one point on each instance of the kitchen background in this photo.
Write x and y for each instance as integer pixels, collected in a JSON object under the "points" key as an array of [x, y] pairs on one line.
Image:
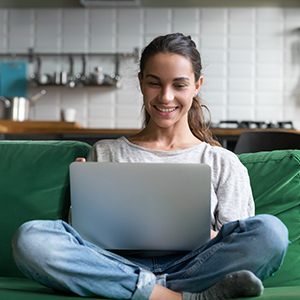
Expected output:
{"points": [[251, 58]]}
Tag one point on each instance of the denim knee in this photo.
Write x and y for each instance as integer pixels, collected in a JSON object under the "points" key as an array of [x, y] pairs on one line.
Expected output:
{"points": [[269, 245], [30, 246], [271, 232]]}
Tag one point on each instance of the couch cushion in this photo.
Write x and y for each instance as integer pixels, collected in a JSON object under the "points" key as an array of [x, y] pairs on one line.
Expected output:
{"points": [[275, 182], [34, 184], [25, 289]]}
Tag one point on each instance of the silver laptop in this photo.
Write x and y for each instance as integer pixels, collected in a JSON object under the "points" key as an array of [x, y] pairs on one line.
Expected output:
{"points": [[141, 206]]}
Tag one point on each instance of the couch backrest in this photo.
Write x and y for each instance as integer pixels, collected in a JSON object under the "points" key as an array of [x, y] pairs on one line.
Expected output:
{"points": [[275, 182], [34, 184]]}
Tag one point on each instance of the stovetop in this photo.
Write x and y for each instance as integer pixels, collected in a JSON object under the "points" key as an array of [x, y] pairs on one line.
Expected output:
{"points": [[233, 124]]}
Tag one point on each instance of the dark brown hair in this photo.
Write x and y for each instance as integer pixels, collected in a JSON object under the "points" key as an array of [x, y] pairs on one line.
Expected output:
{"points": [[177, 43]]}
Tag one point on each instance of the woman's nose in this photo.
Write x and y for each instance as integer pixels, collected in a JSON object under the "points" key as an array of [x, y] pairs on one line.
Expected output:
{"points": [[167, 94]]}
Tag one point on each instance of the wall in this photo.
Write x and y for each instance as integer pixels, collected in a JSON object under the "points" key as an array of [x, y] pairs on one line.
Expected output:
{"points": [[250, 57]]}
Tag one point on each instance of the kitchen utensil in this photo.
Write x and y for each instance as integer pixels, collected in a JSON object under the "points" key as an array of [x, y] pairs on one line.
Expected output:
{"points": [[63, 77], [34, 77], [71, 77], [13, 79], [57, 78], [17, 108], [80, 78], [45, 79]]}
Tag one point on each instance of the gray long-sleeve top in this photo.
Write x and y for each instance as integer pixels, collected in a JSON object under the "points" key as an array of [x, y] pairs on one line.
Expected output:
{"points": [[231, 195]]}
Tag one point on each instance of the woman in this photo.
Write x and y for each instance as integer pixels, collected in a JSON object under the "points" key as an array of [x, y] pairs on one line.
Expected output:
{"points": [[243, 250]]}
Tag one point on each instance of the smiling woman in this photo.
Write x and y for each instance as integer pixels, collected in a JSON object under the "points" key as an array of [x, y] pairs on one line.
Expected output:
{"points": [[230, 265]]}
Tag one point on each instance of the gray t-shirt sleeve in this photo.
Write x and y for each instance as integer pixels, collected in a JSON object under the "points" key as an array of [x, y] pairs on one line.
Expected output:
{"points": [[233, 191]]}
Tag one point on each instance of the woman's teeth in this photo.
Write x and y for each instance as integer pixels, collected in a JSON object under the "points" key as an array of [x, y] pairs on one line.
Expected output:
{"points": [[166, 110]]}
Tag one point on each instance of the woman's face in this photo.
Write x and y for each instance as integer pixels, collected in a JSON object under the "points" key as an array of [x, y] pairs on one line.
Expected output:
{"points": [[168, 86]]}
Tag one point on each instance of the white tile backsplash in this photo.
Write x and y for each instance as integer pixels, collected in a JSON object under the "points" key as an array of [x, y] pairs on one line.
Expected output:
{"points": [[269, 28], [241, 28], [268, 99], [103, 35], [215, 70], [213, 83], [268, 85], [269, 113], [213, 42], [20, 30], [240, 113], [3, 30], [129, 21], [213, 14], [237, 84], [190, 26], [214, 98], [101, 111], [291, 18], [241, 14], [157, 21], [241, 70], [269, 56], [240, 98], [269, 70], [240, 42], [213, 28], [269, 14], [241, 56], [217, 112], [104, 123], [250, 56]]}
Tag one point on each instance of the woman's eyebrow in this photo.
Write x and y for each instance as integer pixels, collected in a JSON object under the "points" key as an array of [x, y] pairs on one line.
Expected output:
{"points": [[175, 79], [181, 78], [153, 76]]}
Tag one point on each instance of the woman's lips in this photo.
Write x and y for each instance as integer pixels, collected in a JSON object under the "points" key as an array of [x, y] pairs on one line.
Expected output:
{"points": [[165, 110]]}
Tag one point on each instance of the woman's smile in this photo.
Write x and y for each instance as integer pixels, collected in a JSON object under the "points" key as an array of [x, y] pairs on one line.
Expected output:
{"points": [[165, 110]]}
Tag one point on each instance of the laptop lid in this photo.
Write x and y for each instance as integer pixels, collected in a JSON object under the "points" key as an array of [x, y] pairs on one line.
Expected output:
{"points": [[141, 206]]}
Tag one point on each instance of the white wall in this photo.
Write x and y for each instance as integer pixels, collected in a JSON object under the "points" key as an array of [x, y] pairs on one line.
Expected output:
{"points": [[251, 58]]}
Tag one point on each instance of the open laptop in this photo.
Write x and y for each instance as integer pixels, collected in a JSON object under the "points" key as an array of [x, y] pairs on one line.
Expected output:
{"points": [[141, 206]]}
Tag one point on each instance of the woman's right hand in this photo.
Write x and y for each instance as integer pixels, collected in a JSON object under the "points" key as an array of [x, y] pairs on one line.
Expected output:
{"points": [[80, 159]]}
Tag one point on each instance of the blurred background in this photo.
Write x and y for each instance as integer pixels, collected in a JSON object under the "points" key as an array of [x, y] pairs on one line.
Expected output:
{"points": [[85, 55]]}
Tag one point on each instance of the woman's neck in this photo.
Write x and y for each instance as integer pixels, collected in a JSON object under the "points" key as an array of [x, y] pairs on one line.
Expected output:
{"points": [[165, 139]]}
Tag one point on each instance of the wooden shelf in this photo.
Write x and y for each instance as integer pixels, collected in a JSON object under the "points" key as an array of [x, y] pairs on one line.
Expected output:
{"points": [[239, 131], [3, 129], [41, 127]]}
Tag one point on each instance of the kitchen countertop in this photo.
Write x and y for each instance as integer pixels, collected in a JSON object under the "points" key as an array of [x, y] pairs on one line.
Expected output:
{"points": [[52, 127]]}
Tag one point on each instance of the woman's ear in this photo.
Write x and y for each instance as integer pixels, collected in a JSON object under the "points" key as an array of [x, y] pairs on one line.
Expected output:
{"points": [[198, 85], [140, 81]]}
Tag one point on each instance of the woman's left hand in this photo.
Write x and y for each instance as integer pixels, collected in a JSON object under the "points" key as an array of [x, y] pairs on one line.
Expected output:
{"points": [[80, 159], [213, 234]]}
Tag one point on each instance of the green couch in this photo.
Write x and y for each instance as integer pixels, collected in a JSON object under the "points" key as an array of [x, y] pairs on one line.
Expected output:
{"points": [[34, 184]]}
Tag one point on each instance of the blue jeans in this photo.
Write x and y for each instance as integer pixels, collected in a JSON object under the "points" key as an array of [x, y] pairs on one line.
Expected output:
{"points": [[53, 254]]}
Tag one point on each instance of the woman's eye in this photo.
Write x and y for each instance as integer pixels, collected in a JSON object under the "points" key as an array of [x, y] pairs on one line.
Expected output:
{"points": [[154, 83], [179, 86]]}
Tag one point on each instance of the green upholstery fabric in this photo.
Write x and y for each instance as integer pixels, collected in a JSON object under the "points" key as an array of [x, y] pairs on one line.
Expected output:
{"points": [[275, 181], [34, 184], [25, 289]]}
